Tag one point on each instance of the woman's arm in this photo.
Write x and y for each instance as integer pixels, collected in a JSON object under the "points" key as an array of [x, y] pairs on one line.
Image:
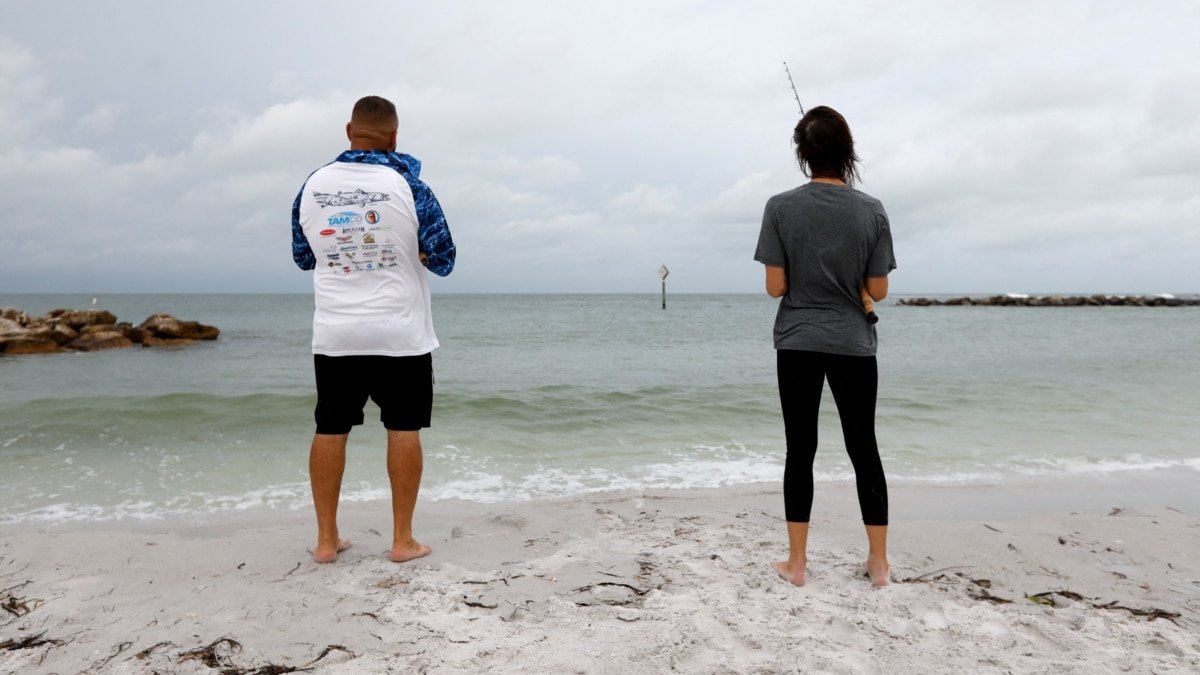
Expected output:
{"points": [[877, 287], [777, 283]]}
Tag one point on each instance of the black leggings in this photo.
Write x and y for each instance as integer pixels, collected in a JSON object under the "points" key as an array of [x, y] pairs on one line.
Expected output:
{"points": [[853, 381]]}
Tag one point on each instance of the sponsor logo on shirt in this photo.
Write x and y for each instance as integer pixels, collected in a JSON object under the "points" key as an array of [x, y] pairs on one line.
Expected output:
{"points": [[368, 239], [344, 238], [349, 230], [372, 217], [348, 247], [334, 256], [371, 254], [327, 232], [370, 266], [370, 247], [344, 218]]}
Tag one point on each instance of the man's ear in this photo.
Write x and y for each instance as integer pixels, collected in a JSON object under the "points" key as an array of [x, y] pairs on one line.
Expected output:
{"points": [[348, 135], [395, 132]]}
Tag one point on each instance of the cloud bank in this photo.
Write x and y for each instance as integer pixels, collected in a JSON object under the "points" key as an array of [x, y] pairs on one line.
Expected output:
{"points": [[1017, 147]]}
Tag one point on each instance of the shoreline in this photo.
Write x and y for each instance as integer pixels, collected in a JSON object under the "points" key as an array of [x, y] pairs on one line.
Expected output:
{"points": [[648, 580], [915, 498]]}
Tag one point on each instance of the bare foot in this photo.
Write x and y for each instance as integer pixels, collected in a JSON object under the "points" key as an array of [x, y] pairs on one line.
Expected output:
{"points": [[410, 550], [877, 570], [784, 568], [327, 554]]}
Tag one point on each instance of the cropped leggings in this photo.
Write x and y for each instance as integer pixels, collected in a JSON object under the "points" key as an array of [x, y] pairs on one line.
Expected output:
{"points": [[854, 381]]}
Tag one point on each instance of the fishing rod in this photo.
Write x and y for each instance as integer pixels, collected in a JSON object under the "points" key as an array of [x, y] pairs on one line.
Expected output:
{"points": [[868, 304], [794, 93]]}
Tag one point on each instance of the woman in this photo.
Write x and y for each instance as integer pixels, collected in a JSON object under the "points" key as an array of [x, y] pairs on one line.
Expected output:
{"points": [[821, 244]]}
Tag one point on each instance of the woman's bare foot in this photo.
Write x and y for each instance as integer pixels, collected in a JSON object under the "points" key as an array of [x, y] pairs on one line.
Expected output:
{"points": [[784, 567], [327, 554], [409, 550], [877, 570]]}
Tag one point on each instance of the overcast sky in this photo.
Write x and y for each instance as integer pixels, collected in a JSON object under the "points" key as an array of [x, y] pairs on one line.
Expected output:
{"points": [[1017, 146]]}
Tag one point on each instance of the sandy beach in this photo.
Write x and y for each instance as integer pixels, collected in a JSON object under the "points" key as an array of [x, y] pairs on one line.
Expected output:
{"points": [[615, 582]]}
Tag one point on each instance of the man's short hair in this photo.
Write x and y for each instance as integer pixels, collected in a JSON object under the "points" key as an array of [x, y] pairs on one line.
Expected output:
{"points": [[374, 111]]}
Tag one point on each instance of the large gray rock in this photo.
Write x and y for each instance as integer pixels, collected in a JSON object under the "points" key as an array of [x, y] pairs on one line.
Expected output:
{"points": [[97, 340], [62, 334], [11, 327], [78, 318], [167, 327], [27, 344], [14, 314]]}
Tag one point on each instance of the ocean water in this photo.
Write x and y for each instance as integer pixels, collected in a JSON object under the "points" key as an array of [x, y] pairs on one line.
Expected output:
{"points": [[549, 396]]}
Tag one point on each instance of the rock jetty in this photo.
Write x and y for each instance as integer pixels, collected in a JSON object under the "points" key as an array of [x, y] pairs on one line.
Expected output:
{"points": [[89, 330], [1020, 300]]}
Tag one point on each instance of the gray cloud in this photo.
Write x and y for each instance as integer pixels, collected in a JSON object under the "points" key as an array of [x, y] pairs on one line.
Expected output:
{"points": [[1017, 146]]}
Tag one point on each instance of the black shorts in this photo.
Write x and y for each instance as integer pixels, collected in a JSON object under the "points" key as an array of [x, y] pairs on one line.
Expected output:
{"points": [[402, 387]]}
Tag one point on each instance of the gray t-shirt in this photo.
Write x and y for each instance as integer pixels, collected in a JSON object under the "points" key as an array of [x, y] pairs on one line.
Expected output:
{"points": [[827, 238]]}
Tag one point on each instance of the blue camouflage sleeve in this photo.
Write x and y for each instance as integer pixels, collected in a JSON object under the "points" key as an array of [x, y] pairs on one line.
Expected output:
{"points": [[433, 233], [301, 252]]}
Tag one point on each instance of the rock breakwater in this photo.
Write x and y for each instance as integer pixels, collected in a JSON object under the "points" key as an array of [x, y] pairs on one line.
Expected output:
{"points": [[1015, 300], [88, 330]]}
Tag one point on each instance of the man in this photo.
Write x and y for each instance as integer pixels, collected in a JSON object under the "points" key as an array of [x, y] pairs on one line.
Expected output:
{"points": [[366, 225]]}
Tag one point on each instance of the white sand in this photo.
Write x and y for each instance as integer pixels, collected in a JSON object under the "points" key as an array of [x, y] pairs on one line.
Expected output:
{"points": [[618, 582]]}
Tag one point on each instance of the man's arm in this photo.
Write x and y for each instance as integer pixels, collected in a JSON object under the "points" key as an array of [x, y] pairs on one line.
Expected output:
{"points": [[301, 252], [433, 234]]}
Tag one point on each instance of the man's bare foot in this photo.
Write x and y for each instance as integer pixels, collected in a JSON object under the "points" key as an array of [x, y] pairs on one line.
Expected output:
{"points": [[327, 554], [410, 550], [877, 570], [784, 568]]}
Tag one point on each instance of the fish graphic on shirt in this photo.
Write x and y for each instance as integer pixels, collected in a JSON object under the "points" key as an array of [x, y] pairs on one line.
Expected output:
{"points": [[357, 197]]}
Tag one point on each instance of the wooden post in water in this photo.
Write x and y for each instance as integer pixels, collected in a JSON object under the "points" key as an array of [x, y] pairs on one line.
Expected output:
{"points": [[662, 273]]}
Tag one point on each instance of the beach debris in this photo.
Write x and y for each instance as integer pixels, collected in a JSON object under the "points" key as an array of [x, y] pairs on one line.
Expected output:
{"points": [[30, 641], [481, 604], [992, 528], [1114, 512], [19, 606], [289, 573], [117, 651], [1047, 597], [929, 577], [984, 593], [209, 654], [219, 654], [373, 615], [329, 649], [985, 596], [1150, 614], [145, 653]]}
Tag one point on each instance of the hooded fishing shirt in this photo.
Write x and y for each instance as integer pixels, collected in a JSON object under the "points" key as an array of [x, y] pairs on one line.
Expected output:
{"points": [[360, 223]]}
